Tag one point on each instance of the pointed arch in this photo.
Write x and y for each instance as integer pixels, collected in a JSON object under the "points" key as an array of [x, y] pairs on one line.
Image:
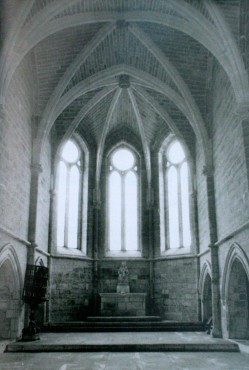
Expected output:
{"points": [[10, 292], [235, 292], [106, 77], [123, 200], [235, 252], [74, 193], [206, 270], [8, 253], [187, 20], [205, 291]]}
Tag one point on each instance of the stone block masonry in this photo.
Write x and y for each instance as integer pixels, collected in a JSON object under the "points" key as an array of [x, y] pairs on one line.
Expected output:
{"points": [[130, 304], [71, 288], [176, 289]]}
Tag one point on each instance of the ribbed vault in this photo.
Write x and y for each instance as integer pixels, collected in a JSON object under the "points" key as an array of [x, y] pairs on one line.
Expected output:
{"points": [[105, 65]]}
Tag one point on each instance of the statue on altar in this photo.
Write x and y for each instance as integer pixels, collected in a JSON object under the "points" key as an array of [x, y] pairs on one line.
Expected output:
{"points": [[123, 279]]}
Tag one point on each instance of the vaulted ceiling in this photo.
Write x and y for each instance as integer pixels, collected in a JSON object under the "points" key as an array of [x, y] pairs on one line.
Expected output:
{"points": [[139, 65]]}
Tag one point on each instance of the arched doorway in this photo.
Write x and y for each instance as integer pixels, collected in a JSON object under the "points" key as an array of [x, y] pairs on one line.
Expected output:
{"points": [[238, 302], [10, 293], [207, 299], [9, 302]]}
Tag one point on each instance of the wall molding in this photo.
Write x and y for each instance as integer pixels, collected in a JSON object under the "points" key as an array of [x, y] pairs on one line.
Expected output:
{"points": [[14, 236], [41, 251], [203, 253], [232, 234]]}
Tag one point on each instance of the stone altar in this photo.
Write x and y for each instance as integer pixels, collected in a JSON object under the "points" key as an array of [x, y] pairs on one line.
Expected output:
{"points": [[123, 303]]}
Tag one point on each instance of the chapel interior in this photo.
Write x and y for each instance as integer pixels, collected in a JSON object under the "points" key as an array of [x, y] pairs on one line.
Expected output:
{"points": [[124, 161]]}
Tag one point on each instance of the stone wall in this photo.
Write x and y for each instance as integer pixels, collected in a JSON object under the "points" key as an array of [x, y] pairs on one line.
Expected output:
{"points": [[231, 188], [230, 182], [70, 289], [176, 289], [15, 154], [15, 174]]}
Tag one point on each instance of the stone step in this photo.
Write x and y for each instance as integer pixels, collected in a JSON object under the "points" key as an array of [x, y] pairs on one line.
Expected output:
{"points": [[123, 326], [123, 318], [138, 347]]}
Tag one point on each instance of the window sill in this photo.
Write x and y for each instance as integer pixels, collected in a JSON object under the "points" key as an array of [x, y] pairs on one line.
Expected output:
{"points": [[70, 252], [176, 252], [120, 254]]}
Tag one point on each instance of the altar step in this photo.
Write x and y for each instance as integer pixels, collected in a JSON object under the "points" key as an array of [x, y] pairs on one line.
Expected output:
{"points": [[125, 342], [124, 324], [123, 318]]}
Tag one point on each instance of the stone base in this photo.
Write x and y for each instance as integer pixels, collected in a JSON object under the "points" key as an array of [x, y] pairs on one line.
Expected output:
{"points": [[123, 288], [116, 304]]}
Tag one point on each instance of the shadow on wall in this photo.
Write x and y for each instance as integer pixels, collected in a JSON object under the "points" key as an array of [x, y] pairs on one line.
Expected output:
{"points": [[207, 299], [238, 302]]}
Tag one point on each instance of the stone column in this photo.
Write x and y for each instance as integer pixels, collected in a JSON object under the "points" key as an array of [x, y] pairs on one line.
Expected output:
{"points": [[216, 304], [216, 309], [242, 113], [36, 170], [150, 220], [95, 271]]}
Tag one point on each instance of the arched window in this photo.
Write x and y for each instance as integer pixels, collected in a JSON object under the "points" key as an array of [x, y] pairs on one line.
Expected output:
{"points": [[123, 201], [176, 197], [69, 196]]}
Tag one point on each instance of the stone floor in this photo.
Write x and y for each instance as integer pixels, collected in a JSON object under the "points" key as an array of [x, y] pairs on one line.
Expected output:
{"points": [[124, 360]]}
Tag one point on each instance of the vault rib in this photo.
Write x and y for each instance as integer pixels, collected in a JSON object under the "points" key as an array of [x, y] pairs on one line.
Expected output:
{"points": [[159, 110], [80, 59], [142, 134], [237, 64], [84, 111], [104, 134], [175, 76]]}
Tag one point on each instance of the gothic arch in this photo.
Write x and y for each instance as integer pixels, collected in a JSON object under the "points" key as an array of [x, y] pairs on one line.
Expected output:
{"points": [[206, 270], [235, 293], [210, 35], [10, 292], [235, 252], [205, 291], [8, 253]]}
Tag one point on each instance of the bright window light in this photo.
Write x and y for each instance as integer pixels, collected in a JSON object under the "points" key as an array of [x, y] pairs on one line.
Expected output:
{"points": [[123, 201], [61, 200], [123, 159], [173, 210], [68, 196], [177, 197], [73, 207], [175, 153], [131, 217], [115, 210]]}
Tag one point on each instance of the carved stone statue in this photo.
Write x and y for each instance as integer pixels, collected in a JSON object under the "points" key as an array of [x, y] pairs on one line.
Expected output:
{"points": [[123, 279]]}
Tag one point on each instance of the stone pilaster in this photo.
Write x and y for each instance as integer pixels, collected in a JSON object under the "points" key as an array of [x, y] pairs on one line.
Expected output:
{"points": [[242, 112], [36, 170], [216, 309], [216, 303], [95, 271], [150, 220]]}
